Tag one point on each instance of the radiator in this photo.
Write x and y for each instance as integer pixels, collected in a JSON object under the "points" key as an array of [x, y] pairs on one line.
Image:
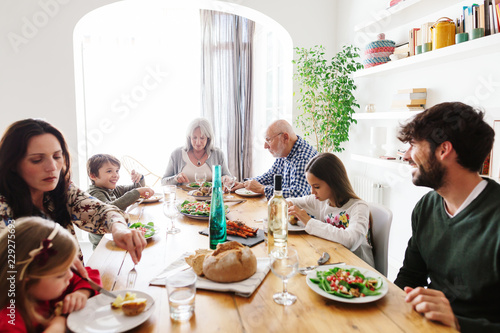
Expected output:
{"points": [[368, 190]]}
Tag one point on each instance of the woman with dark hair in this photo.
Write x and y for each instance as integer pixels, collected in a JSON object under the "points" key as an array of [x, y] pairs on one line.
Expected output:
{"points": [[35, 180], [340, 215], [198, 155]]}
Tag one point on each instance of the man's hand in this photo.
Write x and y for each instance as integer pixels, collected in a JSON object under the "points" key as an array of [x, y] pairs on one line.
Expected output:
{"points": [[237, 186], [131, 240], [433, 304], [254, 186]]}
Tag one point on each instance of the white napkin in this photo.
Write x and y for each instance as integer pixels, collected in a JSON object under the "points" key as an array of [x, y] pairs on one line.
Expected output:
{"points": [[243, 288]]}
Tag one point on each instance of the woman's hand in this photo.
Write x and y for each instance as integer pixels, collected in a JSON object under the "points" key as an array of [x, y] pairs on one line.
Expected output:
{"points": [[301, 214], [145, 192], [433, 304], [131, 240], [75, 301], [181, 178], [56, 325], [237, 186], [135, 176]]}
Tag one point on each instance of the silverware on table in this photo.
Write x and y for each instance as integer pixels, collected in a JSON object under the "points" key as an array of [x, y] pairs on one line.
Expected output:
{"points": [[132, 275], [94, 285]]}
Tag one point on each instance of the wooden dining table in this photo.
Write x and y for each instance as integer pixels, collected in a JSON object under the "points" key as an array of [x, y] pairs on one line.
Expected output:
{"points": [[226, 312]]}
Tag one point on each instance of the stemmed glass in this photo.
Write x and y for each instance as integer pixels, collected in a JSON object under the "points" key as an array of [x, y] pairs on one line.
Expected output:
{"points": [[171, 213], [284, 264], [229, 182], [200, 178]]}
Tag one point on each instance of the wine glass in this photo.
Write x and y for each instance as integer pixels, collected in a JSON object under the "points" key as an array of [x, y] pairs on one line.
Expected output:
{"points": [[229, 182], [200, 178], [284, 264], [171, 213]]}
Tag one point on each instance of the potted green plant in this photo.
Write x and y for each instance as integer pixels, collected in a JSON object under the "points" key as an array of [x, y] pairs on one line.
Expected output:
{"points": [[326, 95]]}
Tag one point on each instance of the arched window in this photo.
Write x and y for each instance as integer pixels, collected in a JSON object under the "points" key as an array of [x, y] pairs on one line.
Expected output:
{"points": [[139, 70]]}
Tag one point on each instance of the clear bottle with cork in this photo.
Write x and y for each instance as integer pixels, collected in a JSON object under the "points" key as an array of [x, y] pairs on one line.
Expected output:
{"points": [[217, 222], [277, 208]]}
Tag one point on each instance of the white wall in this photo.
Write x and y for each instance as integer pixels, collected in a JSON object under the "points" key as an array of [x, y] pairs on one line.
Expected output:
{"points": [[37, 71]]}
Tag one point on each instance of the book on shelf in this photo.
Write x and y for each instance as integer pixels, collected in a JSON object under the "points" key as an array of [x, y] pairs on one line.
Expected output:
{"points": [[402, 49], [408, 103], [412, 40], [411, 90], [393, 3], [411, 96]]}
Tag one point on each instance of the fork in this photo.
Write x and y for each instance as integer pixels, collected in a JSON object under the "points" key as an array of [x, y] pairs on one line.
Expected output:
{"points": [[132, 275]]}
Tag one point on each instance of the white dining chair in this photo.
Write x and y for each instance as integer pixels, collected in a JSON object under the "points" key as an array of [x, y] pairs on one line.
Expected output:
{"points": [[381, 227], [130, 163]]}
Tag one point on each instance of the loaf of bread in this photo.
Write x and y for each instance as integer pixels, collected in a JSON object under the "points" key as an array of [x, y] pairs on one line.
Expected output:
{"points": [[196, 260], [133, 308], [230, 262]]}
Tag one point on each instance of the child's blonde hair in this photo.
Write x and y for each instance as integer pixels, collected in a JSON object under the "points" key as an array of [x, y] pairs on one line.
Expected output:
{"points": [[52, 249], [97, 161]]}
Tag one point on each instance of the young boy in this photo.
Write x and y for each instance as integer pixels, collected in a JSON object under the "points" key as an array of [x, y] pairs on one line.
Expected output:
{"points": [[104, 171]]}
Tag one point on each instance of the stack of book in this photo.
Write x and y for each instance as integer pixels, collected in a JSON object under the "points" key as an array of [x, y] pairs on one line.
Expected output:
{"points": [[412, 99], [402, 49]]}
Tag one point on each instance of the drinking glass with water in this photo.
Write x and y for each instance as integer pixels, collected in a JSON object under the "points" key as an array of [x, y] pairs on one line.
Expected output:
{"points": [[181, 289]]}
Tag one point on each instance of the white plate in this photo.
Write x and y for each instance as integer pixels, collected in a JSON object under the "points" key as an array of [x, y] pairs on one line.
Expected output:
{"points": [[98, 316], [299, 227], [365, 272], [246, 193], [197, 217], [199, 197], [153, 198]]}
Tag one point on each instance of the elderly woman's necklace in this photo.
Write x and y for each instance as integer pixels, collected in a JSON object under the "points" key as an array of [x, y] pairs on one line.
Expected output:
{"points": [[199, 159]]}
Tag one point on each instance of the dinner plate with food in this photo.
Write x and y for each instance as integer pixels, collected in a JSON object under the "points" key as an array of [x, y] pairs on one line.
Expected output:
{"points": [[294, 224], [153, 198], [105, 314], [347, 284], [198, 210], [148, 230], [246, 193], [201, 194]]}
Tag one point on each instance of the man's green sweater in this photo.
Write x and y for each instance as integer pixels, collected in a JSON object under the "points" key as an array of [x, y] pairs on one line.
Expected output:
{"points": [[460, 256]]}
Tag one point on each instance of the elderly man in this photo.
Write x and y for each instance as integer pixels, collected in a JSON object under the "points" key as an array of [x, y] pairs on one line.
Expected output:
{"points": [[455, 243], [292, 154]]}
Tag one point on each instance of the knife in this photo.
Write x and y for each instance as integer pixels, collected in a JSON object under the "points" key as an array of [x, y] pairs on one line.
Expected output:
{"points": [[94, 285]]}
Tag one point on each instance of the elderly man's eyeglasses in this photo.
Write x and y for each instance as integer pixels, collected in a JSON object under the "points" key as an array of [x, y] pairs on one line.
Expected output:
{"points": [[269, 140]]}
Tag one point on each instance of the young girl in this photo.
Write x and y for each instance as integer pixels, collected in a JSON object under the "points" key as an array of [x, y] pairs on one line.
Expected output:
{"points": [[341, 216], [35, 256]]}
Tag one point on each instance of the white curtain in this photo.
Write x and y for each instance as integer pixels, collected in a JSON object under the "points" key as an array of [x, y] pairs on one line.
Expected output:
{"points": [[226, 96]]}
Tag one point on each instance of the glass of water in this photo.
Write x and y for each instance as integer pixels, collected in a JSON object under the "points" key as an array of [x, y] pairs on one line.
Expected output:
{"points": [[284, 264], [169, 191], [181, 289]]}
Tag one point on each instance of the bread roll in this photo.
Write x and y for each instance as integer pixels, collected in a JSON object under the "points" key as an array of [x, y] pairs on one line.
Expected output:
{"points": [[133, 308], [293, 219], [230, 262]]}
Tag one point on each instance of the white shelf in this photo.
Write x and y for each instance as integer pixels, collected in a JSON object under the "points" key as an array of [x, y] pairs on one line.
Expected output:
{"points": [[380, 162], [476, 47], [385, 115], [384, 16]]}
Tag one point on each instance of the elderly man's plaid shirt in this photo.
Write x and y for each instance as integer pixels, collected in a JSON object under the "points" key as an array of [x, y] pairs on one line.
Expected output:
{"points": [[292, 168]]}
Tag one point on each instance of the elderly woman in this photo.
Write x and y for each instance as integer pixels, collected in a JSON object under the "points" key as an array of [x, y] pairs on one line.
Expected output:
{"points": [[35, 180], [198, 155]]}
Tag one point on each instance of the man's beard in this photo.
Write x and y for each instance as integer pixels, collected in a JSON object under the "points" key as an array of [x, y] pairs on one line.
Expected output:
{"points": [[433, 177]]}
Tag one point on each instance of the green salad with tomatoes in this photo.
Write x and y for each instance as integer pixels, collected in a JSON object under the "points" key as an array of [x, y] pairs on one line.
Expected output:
{"points": [[201, 208], [348, 283], [148, 230]]}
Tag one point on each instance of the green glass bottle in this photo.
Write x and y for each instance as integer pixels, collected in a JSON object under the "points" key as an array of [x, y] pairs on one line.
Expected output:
{"points": [[217, 222]]}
